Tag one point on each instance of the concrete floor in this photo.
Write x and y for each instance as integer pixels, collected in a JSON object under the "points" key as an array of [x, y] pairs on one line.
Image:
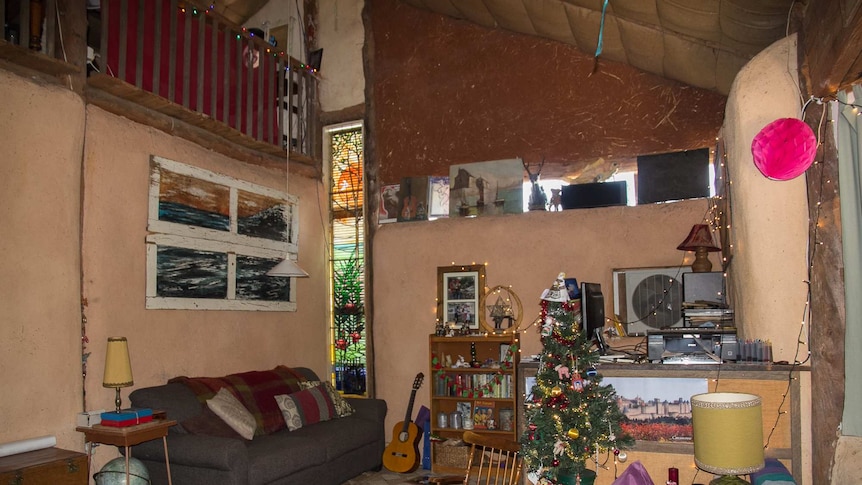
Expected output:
{"points": [[386, 477]]}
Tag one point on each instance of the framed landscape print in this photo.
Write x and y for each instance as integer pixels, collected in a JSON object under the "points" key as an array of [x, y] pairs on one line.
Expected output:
{"points": [[486, 188], [459, 289]]}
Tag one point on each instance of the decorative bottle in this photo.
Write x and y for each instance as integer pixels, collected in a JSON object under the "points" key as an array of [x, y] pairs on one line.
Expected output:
{"points": [[672, 476]]}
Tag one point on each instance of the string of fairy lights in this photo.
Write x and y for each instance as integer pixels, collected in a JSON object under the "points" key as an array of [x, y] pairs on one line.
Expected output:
{"points": [[246, 34], [718, 218]]}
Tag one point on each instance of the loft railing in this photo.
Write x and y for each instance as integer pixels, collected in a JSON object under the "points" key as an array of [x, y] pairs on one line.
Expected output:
{"points": [[30, 23], [187, 54], [33, 37], [175, 58]]}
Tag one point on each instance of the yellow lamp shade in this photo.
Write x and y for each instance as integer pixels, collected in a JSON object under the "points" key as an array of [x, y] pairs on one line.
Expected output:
{"points": [[118, 366], [728, 432]]}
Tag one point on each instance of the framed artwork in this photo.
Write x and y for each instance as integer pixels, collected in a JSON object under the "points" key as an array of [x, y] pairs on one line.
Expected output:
{"points": [[486, 188], [212, 238], [459, 289], [657, 408]]}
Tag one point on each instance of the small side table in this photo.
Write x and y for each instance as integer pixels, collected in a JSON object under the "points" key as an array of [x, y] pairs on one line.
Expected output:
{"points": [[129, 436]]}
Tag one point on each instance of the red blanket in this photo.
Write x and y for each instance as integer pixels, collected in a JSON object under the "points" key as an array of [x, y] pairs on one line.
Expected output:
{"points": [[256, 390]]}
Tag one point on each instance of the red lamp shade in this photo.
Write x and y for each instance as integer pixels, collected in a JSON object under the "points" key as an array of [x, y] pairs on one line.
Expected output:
{"points": [[700, 241], [784, 149], [699, 237]]}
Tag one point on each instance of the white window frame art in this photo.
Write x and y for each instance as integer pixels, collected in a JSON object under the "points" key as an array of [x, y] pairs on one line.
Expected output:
{"points": [[230, 242]]}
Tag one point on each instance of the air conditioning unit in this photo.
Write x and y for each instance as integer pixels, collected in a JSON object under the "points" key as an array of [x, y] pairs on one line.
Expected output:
{"points": [[649, 298]]}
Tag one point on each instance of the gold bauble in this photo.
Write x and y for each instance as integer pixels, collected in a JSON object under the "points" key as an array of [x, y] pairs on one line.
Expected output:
{"points": [[572, 433], [556, 391]]}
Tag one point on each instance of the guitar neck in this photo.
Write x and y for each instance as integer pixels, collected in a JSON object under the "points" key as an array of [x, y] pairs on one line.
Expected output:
{"points": [[409, 413]]}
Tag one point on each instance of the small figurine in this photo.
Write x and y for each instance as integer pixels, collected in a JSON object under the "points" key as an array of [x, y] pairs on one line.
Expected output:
{"points": [[461, 362]]}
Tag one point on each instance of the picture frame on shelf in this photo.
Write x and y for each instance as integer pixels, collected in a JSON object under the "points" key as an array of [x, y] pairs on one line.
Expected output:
{"points": [[459, 289]]}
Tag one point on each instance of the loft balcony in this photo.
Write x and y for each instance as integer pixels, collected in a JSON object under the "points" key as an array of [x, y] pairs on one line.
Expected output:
{"points": [[174, 65]]}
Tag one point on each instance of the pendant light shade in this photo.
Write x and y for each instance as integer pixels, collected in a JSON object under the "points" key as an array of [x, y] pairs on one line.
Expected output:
{"points": [[287, 268]]}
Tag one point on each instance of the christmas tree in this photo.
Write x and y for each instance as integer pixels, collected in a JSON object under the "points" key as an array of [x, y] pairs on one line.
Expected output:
{"points": [[571, 418]]}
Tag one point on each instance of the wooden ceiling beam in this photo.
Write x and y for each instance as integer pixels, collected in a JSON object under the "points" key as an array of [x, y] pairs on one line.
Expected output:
{"points": [[831, 45]]}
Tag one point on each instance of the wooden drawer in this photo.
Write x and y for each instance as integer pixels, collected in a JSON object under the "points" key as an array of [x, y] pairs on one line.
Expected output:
{"points": [[51, 466]]}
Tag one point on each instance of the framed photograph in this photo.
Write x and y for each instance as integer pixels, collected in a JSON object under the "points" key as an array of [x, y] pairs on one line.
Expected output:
{"points": [[459, 289]]}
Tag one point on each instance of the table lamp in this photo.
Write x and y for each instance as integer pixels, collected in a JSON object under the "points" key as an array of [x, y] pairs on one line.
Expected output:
{"points": [[118, 366], [700, 241], [728, 435]]}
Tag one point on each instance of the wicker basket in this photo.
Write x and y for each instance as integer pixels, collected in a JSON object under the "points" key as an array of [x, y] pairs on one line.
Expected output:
{"points": [[451, 456]]}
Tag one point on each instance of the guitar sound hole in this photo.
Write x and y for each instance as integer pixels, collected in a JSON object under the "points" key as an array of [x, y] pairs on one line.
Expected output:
{"points": [[402, 436]]}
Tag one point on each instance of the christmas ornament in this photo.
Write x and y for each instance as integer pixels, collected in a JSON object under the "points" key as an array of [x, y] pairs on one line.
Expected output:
{"points": [[562, 371], [556, 391], [573, 433], [557, 292], [560, 447], [616, 452], [577, 383]]}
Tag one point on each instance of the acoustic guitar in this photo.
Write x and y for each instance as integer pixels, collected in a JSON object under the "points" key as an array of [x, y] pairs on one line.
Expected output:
{"points": [[402, 453]]}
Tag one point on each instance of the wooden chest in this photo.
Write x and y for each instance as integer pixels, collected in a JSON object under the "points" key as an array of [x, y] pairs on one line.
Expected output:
{"points": [[51, 466]]}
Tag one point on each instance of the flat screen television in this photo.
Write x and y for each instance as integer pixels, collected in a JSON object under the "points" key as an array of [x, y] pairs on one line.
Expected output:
{"points": [[599, 194], [593, 314]]}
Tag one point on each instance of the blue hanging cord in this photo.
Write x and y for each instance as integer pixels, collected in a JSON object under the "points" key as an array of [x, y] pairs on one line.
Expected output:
{"points": [[601, 34]]}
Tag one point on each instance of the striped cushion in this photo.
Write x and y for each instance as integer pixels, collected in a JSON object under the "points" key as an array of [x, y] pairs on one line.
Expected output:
{"points": [[306, 407]]}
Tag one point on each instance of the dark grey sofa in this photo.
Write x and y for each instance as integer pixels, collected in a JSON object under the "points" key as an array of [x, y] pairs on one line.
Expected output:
{"points": [[327, 453]]}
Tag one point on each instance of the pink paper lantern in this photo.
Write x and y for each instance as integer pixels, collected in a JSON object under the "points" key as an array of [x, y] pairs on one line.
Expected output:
{"points": [[784, 149]]}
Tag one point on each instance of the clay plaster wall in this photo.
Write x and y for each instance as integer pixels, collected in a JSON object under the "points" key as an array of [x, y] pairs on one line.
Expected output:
{"points": [[167, 343], [769, 229], [42, 131], [526, 251], [52, 258], [769, 218], [447, 91]]}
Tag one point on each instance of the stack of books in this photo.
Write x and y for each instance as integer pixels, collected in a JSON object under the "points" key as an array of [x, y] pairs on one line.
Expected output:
{"points": [[127, 417], [699, 313]]}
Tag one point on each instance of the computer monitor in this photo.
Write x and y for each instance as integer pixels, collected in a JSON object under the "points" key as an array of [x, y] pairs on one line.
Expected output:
{"points": [[593, 314]]}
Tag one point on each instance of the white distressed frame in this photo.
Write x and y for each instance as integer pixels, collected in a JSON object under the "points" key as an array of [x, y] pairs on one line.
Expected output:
{"points": [[164, 233]]}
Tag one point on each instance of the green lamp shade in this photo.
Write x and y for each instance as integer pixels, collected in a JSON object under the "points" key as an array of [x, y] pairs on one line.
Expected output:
{"points": [[728, 432]]}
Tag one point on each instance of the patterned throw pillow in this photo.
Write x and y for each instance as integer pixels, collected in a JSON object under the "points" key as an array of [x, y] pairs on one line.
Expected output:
{"points": [[226, 406], [342, 407], [306, 407]]}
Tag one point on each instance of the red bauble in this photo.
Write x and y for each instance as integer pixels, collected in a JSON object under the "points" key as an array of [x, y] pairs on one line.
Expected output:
{"points": [[555, 462]]}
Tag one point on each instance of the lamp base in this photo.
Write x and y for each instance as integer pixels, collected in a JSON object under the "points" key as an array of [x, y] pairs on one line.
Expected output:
{"points": [[701, 264], [729, 480]]}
